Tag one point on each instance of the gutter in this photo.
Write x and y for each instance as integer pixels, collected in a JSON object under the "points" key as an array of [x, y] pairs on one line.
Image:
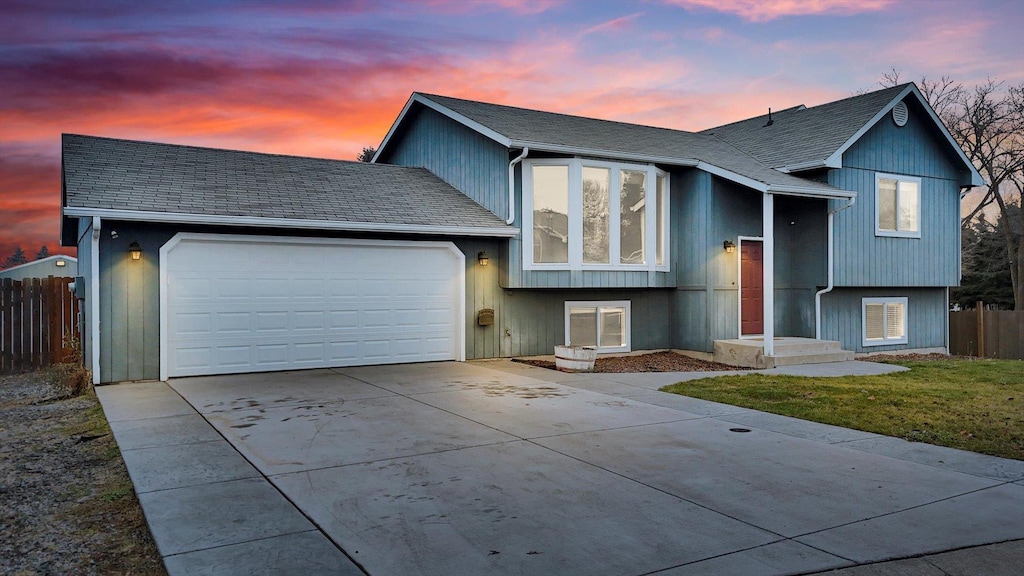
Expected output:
{"points": [[831, 267], [512, 185], [260, 222]]}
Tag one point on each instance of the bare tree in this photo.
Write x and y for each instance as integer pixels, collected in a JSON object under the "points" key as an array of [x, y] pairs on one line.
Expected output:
{"points": [[988, 124]]}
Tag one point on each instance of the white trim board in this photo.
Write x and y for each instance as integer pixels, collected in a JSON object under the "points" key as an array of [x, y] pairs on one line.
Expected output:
{"points": [[260, 222]]}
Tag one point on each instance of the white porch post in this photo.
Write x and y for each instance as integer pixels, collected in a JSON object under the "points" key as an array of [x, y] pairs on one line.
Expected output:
{"points": [[768, 263]]}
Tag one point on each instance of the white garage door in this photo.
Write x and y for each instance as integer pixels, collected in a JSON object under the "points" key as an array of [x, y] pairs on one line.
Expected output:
{"points": [[252, 304]]}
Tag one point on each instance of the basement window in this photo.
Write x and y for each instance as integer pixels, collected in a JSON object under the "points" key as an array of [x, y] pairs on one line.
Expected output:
{"points": [[884, 320], [603, 325]]}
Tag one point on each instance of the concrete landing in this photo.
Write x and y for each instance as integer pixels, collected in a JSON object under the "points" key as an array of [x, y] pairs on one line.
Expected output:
{"points": [[789, 351]]}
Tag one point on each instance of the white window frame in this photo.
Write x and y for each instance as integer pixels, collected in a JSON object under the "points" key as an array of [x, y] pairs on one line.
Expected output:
{"points": [[575, 215], [920, 199], [884, 341], [598, 305]]}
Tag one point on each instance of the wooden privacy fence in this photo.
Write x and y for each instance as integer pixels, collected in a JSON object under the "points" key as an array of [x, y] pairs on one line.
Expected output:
{"points": [[39, 323], [987, 333]]}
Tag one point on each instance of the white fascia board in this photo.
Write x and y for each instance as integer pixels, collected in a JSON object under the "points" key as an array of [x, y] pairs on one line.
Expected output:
{"points": [[472, 124], [597, 153], [811, 192], [812, 165], [734, 177], [836, 159], [394, 126], [419, 98], [180, 218]]}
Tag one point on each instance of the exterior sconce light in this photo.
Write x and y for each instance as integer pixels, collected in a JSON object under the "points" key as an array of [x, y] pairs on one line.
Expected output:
{"points": [[60, 263], [729, 246], [482, 258], [135, 250]]}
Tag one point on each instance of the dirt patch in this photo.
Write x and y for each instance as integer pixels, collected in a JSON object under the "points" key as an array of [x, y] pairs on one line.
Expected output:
{"points": [[68, 503], [653, 362]]}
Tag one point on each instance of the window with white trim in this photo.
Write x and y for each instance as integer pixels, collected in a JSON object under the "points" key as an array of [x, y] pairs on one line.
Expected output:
{"points": [[603, 325], [897, 206], [884, 321], [583, 214]]}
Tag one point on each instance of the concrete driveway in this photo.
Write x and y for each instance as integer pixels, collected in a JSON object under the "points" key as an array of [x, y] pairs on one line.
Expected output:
{"points": [[501, 468]]}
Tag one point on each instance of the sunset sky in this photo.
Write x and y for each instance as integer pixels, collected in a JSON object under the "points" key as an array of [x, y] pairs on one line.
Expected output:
{"points": [[322, 78]]}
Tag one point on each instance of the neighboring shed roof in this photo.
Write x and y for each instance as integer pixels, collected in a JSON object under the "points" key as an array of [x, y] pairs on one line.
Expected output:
{"points": [[548, 131], [30, 269], [148, 181]]}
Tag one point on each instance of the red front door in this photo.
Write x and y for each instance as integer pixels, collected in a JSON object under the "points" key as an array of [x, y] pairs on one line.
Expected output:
{"points": [[751, 288]]}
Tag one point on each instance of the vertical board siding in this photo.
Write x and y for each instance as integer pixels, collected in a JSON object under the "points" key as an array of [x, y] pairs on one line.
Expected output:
{"points": [[535, 319], [926, 317], [916, 149], [469, 161], [130, 302], [85, 271], [863, 259]]}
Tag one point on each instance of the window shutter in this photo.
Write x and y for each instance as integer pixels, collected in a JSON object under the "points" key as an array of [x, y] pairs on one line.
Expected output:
{"points": [[874, 321]]}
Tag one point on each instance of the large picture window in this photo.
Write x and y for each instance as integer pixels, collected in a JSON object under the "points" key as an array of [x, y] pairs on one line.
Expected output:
{"points": [[897, 206], [589, 214], [603, 325], [884, 321]]}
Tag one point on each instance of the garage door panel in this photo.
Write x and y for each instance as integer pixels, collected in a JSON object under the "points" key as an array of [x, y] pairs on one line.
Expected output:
{"points": [[265, 304]]}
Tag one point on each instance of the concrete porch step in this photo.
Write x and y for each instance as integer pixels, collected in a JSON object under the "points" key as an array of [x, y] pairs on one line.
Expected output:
{"points": [[793, 359], [749, 352]]}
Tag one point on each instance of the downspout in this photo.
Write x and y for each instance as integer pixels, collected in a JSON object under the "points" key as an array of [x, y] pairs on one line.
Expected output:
{"points": [[831, 268], [512, 185], [94, 297]]}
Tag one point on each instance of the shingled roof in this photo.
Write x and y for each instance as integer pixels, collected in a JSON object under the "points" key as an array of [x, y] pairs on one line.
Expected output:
{"points": [[549, 131], [142, 180], [802, 135]]}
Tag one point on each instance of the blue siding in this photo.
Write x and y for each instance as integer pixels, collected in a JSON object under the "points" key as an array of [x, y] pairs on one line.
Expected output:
{"points": [[926, 317], [535, 319], [863, 259], [469, 161], [85, 270], [130, 302]]}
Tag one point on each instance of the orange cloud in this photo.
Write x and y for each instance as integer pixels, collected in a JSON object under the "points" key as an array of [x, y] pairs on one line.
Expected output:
{"points": [[763, 11]]}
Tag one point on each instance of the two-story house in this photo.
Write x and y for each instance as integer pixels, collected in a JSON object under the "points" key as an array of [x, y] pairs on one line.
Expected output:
{"points": [[483, 231]]}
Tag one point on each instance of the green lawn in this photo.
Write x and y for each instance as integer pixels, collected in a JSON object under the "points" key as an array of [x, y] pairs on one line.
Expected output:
{"points": [[975, 405]]}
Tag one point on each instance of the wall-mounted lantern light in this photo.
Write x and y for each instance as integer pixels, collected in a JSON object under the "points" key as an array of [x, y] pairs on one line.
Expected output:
{"points": [[135, 250], [60, 263], [729, 246], [482, 258]]}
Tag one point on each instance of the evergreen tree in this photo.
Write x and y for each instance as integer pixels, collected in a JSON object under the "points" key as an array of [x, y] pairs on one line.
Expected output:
{"points": [[44, 252], [986, 270], [15, 259], [367, 154]]}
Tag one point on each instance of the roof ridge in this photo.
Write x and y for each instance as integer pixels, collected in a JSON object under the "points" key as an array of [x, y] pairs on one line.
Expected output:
{"points": [[798, 107], [901, 87], [231, 150], [577, 116]]}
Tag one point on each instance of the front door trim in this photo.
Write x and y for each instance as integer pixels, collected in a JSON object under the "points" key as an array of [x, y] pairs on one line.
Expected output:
{"points": [[739, 283]]}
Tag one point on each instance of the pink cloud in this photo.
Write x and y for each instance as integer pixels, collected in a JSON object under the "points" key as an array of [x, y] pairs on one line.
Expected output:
{"points": [[763, 11], [621, 24]]}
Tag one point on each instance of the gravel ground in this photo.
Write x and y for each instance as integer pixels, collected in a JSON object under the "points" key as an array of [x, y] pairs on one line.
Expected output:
{"points": [[68, 504], [653, 362]]}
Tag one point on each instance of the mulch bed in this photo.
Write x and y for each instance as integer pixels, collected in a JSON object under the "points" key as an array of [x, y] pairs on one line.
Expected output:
{"points": [[653, 362]]}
